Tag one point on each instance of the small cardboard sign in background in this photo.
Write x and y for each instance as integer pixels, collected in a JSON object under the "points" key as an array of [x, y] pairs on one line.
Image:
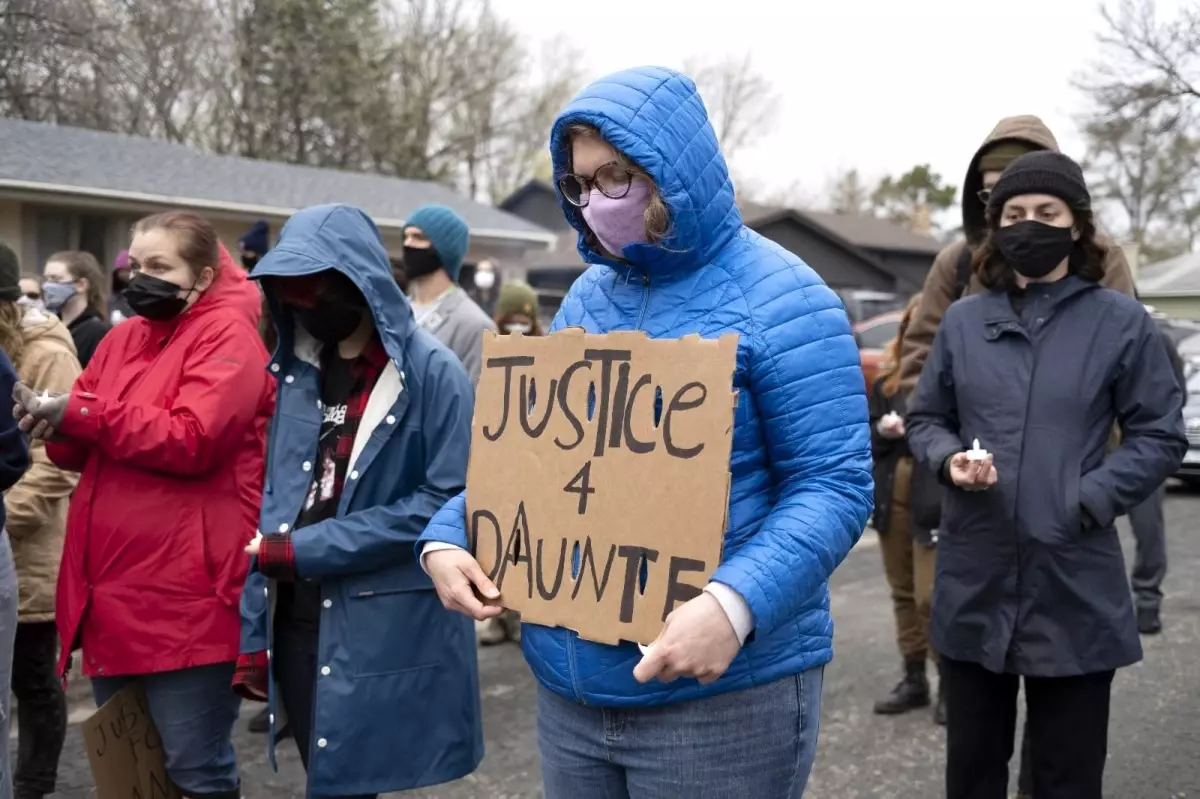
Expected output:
{"points": [[602, 524], [125, 750]]}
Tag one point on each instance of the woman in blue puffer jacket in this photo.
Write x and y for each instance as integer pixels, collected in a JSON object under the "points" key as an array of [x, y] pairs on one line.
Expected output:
{"points": [[727, 701]]}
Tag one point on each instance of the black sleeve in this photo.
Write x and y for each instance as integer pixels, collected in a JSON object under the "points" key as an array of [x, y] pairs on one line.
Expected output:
{"points": [[877, 408], [14, 449], [87, 338]]}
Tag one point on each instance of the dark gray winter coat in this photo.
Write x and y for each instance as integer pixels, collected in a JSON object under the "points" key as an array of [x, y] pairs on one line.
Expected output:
{"points": [[1030, 576]]}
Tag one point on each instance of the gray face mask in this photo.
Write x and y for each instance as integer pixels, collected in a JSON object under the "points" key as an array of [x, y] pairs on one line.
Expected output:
{"points": [[57, 294], [517, 327]]}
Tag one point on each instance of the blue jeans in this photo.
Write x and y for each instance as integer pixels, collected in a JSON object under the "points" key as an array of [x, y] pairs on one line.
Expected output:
{"points": [[194, 710], [759, 742]]}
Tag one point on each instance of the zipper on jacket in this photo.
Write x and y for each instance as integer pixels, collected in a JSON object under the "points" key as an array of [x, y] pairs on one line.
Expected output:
{"points": [[645, 301]]}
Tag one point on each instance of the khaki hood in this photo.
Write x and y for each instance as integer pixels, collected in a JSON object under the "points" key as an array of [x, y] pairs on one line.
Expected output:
{"points": [[1026, 128], [44, 328]]}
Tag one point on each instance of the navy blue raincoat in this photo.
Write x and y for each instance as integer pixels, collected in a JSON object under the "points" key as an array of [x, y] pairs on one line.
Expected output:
{"points": [[1030, 575], [399, 707]]}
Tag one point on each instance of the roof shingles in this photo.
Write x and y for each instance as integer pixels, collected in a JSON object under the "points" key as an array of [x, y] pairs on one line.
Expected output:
{"points": [[87, 159]]}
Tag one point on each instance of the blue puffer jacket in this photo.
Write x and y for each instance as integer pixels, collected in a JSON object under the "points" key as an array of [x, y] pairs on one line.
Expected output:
{"points": [[801, 460]]}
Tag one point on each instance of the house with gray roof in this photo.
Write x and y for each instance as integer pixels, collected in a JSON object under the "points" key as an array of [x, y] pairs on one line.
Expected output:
{"points": [[1172, 286], [64, 188], [852, 253]]}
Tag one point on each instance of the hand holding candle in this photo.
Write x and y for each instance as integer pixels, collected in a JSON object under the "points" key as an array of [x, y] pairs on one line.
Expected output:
{"points": [[891, 425], [972, 470]]}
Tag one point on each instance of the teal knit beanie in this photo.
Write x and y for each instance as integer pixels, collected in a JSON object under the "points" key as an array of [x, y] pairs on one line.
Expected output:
{"points": [[446, 231]]}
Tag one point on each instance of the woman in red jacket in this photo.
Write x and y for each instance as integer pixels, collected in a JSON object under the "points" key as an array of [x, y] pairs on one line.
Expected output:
{"points": [[167, 426]]}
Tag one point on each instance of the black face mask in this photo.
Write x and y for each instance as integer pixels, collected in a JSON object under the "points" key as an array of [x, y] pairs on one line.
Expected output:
{"points": [[155, 298], [1034, 249], [330, 322], [419, 263], [249, 260]]}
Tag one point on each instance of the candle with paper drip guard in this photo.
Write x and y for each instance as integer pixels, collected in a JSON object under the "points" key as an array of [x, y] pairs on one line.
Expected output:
{"points": [[975, 453]]}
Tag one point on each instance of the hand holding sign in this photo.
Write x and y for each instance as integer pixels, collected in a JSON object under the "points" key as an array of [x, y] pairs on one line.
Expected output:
{"points": [[697, 640], [457, 577]]}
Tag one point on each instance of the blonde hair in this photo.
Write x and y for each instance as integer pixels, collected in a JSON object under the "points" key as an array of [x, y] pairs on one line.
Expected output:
{"points": [[658, 216], [891, 370], [12, 338]]}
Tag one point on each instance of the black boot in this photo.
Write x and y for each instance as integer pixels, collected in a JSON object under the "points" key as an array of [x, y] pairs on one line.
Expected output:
{"points": [[1148, 621], [939, 709], [910, 693]]}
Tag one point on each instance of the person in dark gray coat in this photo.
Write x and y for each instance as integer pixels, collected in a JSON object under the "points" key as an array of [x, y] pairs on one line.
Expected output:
{"points": [[1030, 577]]}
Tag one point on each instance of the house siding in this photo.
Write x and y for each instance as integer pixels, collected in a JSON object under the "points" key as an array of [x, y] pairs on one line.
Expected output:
{"points": [[837, 267]]}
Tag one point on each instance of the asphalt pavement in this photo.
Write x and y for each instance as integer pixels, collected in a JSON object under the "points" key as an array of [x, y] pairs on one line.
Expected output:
{"points": [[1154, 741]]}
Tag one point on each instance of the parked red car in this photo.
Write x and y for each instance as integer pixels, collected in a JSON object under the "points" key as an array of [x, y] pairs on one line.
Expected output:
{"points": [[872, 336]]}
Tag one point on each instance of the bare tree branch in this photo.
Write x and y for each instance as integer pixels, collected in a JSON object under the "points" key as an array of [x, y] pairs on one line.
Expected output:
{"points": [[742, 103]]}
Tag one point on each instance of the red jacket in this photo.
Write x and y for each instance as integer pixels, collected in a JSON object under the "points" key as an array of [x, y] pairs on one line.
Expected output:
{"points": [[168, 426]]}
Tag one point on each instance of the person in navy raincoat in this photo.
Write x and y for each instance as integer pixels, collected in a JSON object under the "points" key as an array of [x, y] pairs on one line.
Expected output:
{"points": [[342, 631], [1030, 577], [727, 701]]}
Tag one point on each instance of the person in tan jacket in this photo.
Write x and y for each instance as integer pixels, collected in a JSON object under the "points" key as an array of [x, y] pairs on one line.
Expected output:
{"points": [[41, 349], [950, 277]]}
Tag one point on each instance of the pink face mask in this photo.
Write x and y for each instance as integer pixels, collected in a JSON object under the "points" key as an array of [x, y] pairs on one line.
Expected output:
{"points": [[619, 223]]}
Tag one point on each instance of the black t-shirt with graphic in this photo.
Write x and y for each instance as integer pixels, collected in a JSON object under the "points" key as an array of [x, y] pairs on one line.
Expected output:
{"points": [[301, 600]]}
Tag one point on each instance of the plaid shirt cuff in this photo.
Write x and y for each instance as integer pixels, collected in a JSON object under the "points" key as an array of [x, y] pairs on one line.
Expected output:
{"points": [[276, 558], [250, 676]]}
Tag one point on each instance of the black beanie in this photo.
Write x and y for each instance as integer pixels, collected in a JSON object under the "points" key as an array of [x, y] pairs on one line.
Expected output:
{"points": [[10, 274], [1042, 172]]}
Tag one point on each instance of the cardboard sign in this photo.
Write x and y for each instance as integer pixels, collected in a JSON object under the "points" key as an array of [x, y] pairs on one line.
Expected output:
{"points": [[599, 478], [125, 750]]}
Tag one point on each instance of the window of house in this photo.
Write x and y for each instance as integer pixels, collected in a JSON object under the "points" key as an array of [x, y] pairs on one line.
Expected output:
{"points": [[58, 230]]}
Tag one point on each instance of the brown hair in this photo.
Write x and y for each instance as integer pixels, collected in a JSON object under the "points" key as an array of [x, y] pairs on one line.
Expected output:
{"points": [[12, 339], [891, 369], [82, 265], [1086, 259], [198, 243], [658, 216], [266, 328]]}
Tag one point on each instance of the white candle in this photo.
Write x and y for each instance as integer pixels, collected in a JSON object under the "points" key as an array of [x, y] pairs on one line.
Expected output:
{"points": [[975, 453]]}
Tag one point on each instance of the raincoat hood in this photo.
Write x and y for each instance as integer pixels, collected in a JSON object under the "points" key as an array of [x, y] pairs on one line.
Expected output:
{"points": [[656, 118], [1027, 129], [344, 238]]}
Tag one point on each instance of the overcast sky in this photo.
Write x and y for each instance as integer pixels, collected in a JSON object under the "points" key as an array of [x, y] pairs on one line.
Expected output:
{"points": [[873, 84]]}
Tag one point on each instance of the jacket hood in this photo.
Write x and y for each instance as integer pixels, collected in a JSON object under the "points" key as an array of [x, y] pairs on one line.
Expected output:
{"points": [[656, 118], [1027, 129], [37, 325], [344, 238], [231, 292]]}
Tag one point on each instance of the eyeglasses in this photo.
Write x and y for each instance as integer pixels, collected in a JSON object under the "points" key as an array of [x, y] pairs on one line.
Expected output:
{"points": [[984, 195], [612, 179]]}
